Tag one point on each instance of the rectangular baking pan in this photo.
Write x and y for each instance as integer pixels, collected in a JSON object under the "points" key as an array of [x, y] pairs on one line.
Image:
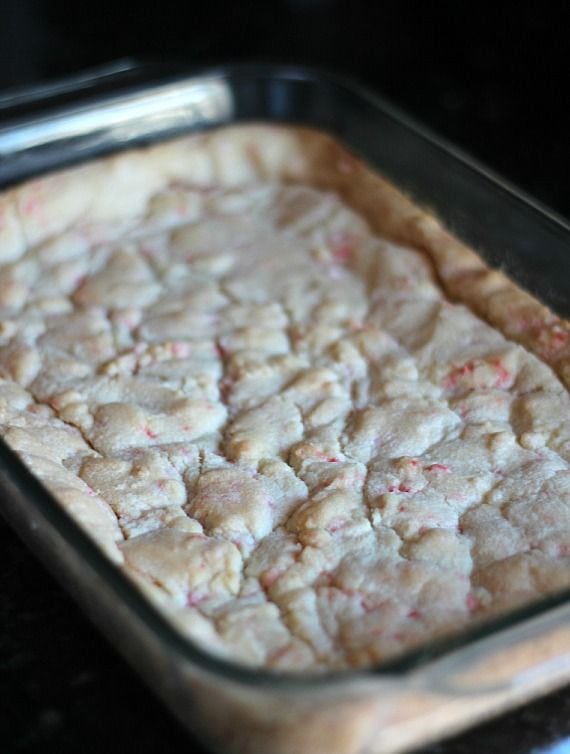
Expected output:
{"points": [[419, 696]]}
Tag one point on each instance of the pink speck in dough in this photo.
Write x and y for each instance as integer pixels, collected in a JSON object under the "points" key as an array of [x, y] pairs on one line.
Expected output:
{"points": [[457, 373], [472, 603], [442, 467], [31, 205], [558, 339], [194, 598], [503, 375], [399, 488], [179, 349], [336, 525]]}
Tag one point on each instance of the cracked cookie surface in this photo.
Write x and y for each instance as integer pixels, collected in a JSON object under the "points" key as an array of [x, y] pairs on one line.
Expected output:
{"points": [[280, 426]]}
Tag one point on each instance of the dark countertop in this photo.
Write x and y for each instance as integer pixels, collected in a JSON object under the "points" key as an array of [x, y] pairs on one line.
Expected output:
{"points": [[496, 85]]}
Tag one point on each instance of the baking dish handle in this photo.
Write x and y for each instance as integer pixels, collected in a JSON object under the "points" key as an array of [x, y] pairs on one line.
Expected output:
{"points": [[97, 112]]}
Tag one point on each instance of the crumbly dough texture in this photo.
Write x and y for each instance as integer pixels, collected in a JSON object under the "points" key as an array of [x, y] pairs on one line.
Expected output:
{"points": [[314, 428]]}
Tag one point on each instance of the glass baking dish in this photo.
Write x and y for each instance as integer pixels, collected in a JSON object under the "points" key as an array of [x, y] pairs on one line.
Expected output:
{"points": [[417, 697]]}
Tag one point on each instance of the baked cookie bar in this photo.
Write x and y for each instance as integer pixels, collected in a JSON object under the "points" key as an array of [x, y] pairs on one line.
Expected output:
{"points": [[314, 428]]}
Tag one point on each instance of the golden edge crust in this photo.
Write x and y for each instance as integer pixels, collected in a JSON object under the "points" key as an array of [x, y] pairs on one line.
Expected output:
{"points": [[464, 276], [103, 198]]}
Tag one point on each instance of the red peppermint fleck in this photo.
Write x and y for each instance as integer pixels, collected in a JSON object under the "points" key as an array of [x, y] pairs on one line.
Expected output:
{"points": [[186, 428], [342, 246], [149, 433], [552, 338], [367, 604], [225, 389], [178, 349], [325, 577], [526, 322], [220, 350], [442, 467], [31, 205], [472, 603], [503, 379], [399, 488], [337, 524], [558, 339], [414, 615], [463, 411], [316, 453], [194, 598], [457, 373]]}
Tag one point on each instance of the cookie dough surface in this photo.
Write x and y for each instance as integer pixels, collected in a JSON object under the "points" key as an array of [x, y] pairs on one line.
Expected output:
{"points": [[281, 427]]}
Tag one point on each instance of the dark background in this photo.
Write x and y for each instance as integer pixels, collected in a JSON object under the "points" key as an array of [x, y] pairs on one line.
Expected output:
{"points": [[495, 82]]}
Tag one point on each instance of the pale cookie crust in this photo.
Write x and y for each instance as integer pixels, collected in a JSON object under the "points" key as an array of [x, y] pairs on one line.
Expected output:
{"points": [[233, 359]]}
